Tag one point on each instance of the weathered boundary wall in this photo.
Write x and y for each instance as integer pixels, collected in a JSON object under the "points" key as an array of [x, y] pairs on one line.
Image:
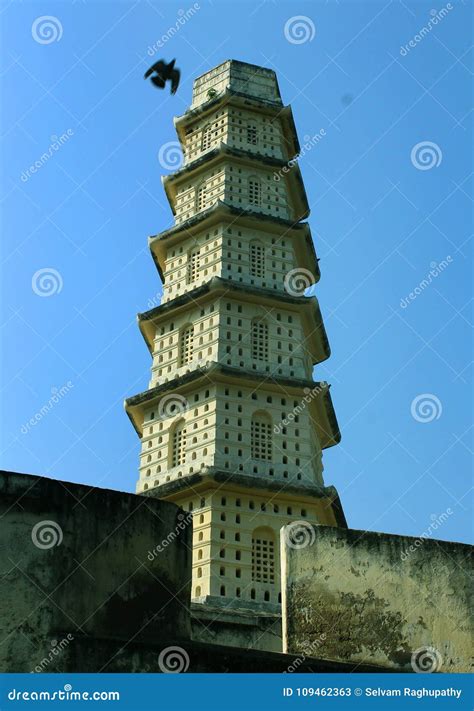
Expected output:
{"points": [[80, 563], [93, 580], [234, 626], [358, 596]]}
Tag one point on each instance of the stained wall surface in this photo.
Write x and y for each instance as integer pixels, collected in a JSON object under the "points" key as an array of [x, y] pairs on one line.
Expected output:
{"points": [[81, 563], [377, 598]]}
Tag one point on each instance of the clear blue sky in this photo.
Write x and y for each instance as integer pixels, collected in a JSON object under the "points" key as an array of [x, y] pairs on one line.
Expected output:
{"points": [[379, 223]]}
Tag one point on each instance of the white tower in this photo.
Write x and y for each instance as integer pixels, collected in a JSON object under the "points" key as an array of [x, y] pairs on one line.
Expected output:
{"points": [[232, 424]]}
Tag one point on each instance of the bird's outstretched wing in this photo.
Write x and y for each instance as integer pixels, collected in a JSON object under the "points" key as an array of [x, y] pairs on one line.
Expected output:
{"points": [[157, 67], [175, 77]]}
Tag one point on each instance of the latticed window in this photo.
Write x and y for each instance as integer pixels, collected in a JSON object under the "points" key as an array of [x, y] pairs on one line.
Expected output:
{"points": [[178, 444], [206, 138], [259, 340], [201, 197], [257, 260], [261, 437], [252, 134], [263, 556], [192, 267], [255, 191], [186, 342]]}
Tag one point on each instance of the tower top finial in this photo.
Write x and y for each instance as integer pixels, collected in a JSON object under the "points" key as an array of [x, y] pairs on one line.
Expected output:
{"points": [[239, 77]]}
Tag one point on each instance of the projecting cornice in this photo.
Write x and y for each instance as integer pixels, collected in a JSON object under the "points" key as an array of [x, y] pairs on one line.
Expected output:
{"points": [[315, 395], [273, 109], [316, 341], [291, 175], [298, 232], [211, 477]]}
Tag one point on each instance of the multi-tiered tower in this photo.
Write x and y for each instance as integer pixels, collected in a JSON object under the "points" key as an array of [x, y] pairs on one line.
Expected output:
{"points": [[232, 424]]}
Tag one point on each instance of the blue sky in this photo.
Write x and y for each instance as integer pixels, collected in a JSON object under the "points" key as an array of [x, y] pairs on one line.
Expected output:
{"points": [[380, 222]]}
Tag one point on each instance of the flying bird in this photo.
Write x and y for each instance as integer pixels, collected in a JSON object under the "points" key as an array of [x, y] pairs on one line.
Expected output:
{"points": [[162, 73]]}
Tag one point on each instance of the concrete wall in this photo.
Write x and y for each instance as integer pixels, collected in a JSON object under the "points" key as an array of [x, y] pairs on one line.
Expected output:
{"points": [[93, 580], [215, 621], [78, 562], [377, 598], [196, 657]]}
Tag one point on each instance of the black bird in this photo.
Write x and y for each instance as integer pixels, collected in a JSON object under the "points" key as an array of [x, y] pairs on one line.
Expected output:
{"points": [[162, 73]]}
